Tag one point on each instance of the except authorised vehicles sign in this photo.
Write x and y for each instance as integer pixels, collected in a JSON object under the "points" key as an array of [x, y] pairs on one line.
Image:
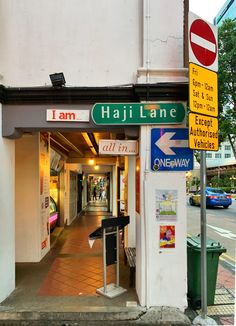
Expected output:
{"points": [[170, 150], [203, 132]]}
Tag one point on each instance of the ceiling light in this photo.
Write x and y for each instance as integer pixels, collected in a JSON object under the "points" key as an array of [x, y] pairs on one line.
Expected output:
{"points": [[96, 167], [87, 138], [91, 161]]}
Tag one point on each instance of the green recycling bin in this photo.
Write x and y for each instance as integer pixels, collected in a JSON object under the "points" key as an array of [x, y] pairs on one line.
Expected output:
{"points": [[214, 250]]}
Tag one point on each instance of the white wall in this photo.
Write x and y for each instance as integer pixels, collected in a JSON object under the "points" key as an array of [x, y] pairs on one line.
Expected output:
{"points": [[7, 215], [166, 268], [90, 41], [27, 199], [163, 42], [163, 34], [163, 281]]}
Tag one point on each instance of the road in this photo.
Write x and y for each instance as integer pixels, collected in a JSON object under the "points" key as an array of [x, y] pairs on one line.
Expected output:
{"points": [[221, 226]]}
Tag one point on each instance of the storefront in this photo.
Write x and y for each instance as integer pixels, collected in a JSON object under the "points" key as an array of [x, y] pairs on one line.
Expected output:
{"points": [[33, 122]]}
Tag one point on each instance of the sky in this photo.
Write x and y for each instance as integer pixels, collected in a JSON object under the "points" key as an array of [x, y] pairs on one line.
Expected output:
{"points": [[206, 9]]}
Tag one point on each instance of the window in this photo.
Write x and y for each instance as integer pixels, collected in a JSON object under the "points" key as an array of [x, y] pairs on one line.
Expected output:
{"points": [[227, 155], [208, 155], [227, 147], [218, 155]]}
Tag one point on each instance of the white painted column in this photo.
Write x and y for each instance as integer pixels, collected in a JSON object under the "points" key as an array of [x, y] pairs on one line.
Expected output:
{"points": [[7, 215], [141, 226], [84, 192], [130, 240], [27, 199], [163, 280], [62, 197], [32, 179], [114, 190]]}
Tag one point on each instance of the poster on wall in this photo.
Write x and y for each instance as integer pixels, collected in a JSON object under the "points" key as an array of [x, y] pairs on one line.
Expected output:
{"points": [[167, 236], [166, 205], [44, 192]]}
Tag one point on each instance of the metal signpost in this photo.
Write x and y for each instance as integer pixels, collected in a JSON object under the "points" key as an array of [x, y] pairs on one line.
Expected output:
{"points": [[203, 122]]}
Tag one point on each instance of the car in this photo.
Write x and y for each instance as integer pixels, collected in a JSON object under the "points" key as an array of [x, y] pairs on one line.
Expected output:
{"points": [[214, 197]]}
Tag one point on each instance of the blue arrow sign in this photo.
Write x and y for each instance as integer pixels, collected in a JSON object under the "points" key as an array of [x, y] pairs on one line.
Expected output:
{"points": [[170, 151]]}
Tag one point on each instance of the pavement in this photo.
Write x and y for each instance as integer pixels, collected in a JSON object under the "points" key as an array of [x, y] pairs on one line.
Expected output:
{"points": [[61, 289], [223, 310]]}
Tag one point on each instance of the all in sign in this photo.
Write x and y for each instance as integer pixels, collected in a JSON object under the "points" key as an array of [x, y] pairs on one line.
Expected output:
{"points": [[203, 43]]}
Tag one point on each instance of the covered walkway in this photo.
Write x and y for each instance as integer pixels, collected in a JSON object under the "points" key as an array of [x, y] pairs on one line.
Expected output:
{"points": [[67, 278]]}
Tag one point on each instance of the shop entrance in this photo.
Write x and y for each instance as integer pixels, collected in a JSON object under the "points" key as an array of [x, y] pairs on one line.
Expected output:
{"points": [[54, 180], [81, 194]]}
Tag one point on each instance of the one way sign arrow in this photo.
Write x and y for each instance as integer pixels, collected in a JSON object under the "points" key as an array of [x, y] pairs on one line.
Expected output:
{"points": [[165, 142], [169, 150]]}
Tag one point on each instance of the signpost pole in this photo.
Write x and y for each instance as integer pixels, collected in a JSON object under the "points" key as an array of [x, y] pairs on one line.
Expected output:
{"points": [[203, 104], [203, 237]]}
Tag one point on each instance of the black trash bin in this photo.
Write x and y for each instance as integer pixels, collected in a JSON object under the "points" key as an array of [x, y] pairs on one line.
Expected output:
{"points": [[214, 250]]}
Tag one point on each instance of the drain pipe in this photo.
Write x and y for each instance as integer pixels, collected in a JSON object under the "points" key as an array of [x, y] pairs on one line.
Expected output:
{"points": [[147, 43], [146, 54]]}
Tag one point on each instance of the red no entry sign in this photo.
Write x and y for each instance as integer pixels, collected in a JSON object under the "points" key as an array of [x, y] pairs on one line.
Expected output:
{"points": [[203, 43]]}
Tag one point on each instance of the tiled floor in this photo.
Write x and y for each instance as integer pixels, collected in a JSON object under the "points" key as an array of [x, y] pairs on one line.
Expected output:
{"points": [[225, 278], [67, 278], [223, 309], [75, 276], [78, 269]]}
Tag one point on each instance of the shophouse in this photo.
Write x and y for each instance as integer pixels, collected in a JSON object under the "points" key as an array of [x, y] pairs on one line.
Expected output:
{"points": [[125, 78]]}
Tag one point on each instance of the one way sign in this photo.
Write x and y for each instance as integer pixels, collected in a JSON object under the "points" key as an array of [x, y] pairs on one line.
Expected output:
{"points": [[170, 151]]}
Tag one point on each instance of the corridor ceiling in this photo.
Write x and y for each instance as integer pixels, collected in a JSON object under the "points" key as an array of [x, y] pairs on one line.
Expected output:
{"points": [[80, 147], [80, 144]]}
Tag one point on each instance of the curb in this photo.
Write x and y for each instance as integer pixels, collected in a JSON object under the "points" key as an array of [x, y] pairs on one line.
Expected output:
{"points": [[136, 316]]}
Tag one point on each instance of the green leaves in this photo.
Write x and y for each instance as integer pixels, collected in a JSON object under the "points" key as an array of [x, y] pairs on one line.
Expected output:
{"points": [[227, 81]]}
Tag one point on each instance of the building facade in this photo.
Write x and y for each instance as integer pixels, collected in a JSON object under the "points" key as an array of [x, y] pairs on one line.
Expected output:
{"points": [[109, 52], [227, 11]]}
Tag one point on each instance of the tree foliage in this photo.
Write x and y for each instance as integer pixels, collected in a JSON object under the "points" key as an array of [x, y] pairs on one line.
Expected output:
{"points": [[227, 82]]}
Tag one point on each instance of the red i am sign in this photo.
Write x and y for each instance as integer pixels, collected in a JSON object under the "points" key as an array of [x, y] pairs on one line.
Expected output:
{"points": [[203, 43]]}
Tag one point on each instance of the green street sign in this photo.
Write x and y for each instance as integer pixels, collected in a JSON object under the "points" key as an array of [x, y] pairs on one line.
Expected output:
{"points": [[138, 113]]}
